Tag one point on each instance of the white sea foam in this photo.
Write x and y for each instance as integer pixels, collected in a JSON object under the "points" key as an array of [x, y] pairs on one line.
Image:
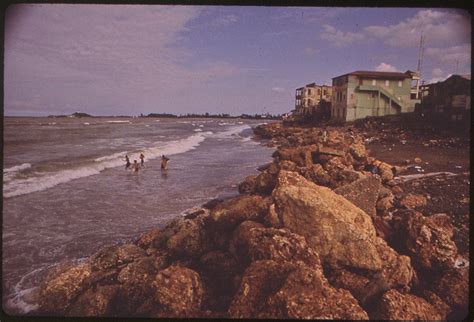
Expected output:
{"points": [[112, 157], [21, 299], [197, 130], [127, 121], [10, 173], [46, 180], [232, 131], [17, 168], [87, 123]]}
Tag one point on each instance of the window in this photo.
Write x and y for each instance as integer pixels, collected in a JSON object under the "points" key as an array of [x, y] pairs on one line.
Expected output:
{"points": [[400, 83], [374, 82], [325, 92], [387, 83], [309, 91], [319, 91]]}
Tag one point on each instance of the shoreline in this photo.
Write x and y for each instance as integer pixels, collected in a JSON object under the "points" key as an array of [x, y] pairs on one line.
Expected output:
{"points": [[222, 260]]}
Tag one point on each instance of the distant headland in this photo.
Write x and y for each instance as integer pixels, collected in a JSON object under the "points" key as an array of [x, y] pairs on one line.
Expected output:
{"points": [[189, 115]]}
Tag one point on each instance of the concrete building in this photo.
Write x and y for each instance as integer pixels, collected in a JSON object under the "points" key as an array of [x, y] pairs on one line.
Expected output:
{"points": [[450, 99], [360, 94], [311, 100]]}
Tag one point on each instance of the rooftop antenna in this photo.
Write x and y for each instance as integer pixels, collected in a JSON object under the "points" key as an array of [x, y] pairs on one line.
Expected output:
{"points": [[420, 64]]}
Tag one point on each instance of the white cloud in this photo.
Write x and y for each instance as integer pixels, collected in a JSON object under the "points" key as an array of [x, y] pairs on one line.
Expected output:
{"points": [[451, 55], [340, 38], [278, 89], [436, 72], [437, 75], [113, 56], [384, 67], [439, 27]]}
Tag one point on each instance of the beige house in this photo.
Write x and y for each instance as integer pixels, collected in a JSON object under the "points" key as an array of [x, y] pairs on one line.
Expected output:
{"points": [[309, 99]]}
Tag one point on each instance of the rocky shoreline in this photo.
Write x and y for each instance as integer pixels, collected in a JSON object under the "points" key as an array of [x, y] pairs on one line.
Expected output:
{"points": [[317, 234]]}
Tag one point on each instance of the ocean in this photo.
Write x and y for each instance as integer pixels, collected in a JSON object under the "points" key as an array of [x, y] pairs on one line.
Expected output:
{"points": [[66, 193]]}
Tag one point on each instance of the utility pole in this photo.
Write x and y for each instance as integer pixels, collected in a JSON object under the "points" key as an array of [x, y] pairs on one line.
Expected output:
{"points": [[420, 65]]}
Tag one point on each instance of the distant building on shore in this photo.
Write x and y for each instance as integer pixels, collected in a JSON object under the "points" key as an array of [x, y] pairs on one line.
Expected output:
{"points": [[312, 100], [449, 99], [359, 94]]}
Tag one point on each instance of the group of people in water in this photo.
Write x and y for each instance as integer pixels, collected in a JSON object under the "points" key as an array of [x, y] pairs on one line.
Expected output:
{"points": [[136, 166]]}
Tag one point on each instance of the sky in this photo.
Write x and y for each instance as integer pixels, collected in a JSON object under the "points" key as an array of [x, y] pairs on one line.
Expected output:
{"points": [[132, 59]]}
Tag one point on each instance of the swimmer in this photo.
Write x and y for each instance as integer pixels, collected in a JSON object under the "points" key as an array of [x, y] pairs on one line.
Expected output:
{"points": [[135, 166], [164, 162], [142, 158], [128, 164]]}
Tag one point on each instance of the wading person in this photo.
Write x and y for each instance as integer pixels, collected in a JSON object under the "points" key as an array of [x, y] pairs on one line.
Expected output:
{"points": [[164, 162], [135, 166], [127, 164], [142, 159]]}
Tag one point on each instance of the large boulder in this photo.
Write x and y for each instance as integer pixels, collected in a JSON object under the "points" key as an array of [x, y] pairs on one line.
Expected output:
{"points": [[351, 281], [397, 271], [302, 156], [261, 279], [306, 294], [363, 193], [226, 216], [146, 239], [94, 302], [282, 290], [427, 239], [453, 288], [317, 174], [248, 185], [336, 229], [232, 212], [264, 183], [397, 306], [136, 283], [62, 286], [116, 256], [178, 294], [190, 240], [413, 201], [438, 303], [367, 286], [255, 243]]}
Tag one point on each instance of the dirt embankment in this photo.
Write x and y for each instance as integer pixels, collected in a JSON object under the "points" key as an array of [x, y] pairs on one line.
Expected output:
{"points": [[325, 231]]}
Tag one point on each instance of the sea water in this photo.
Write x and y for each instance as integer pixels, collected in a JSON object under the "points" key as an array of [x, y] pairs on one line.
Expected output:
{"points": [[66, 193]]}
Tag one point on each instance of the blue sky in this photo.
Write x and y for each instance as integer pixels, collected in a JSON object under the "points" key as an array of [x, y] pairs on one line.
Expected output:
{"points": [[127, 60]]}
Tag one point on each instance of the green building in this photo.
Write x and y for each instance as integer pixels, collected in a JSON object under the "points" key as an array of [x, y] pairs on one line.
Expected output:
{"points": [[360, 94]]}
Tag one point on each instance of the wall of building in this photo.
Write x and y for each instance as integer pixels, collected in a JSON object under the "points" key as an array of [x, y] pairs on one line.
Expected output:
{"points": [[349, 104]]}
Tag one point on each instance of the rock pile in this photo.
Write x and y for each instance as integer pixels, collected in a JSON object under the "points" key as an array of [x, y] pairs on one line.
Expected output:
{"points": [[313, 236]]}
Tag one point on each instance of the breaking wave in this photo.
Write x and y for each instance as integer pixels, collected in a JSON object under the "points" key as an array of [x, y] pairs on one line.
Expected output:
{"points": [[46, 180]]}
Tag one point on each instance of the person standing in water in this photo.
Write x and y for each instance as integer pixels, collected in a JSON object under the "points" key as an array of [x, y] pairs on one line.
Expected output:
{"points": [[135, 166], [164, 162], [142, 158], [128, 164]]}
